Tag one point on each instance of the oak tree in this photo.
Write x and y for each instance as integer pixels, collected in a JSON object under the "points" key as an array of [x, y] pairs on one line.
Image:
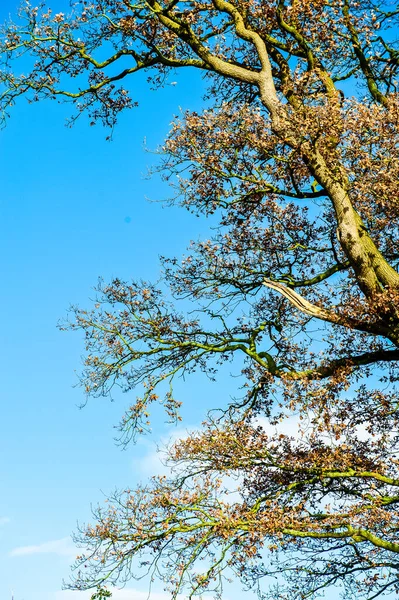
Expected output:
{"points": [[297, 155]]}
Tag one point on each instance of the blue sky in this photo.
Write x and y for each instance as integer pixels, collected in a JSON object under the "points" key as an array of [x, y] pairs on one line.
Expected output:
{"points": [[73, 207]]}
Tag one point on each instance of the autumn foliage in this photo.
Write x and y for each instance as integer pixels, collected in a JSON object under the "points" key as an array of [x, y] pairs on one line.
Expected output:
{"points": [[297, 155]]}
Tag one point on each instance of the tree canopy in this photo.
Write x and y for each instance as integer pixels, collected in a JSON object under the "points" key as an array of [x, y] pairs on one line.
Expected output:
{"points": [[297, 154]]}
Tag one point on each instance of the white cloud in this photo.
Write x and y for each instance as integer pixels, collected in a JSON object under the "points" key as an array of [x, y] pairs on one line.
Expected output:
{"points": [[62, 547], [154, 461], [151, 463], [298, 429], [291, 426], [4, 521]]}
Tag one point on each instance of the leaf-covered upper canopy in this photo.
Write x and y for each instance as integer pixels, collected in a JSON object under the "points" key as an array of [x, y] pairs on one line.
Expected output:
{"points": [[309, 47]]}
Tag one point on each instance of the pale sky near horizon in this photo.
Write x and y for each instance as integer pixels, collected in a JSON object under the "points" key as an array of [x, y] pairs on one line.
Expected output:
{"points": [[72, 208]]}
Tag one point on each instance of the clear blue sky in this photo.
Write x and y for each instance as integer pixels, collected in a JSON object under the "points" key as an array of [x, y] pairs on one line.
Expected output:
{"points": [[72, 208]]}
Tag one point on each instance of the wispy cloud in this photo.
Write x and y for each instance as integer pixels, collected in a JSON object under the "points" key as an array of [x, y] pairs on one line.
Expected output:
{"points": [[4, 521], [62, 547], [154, 461]]}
